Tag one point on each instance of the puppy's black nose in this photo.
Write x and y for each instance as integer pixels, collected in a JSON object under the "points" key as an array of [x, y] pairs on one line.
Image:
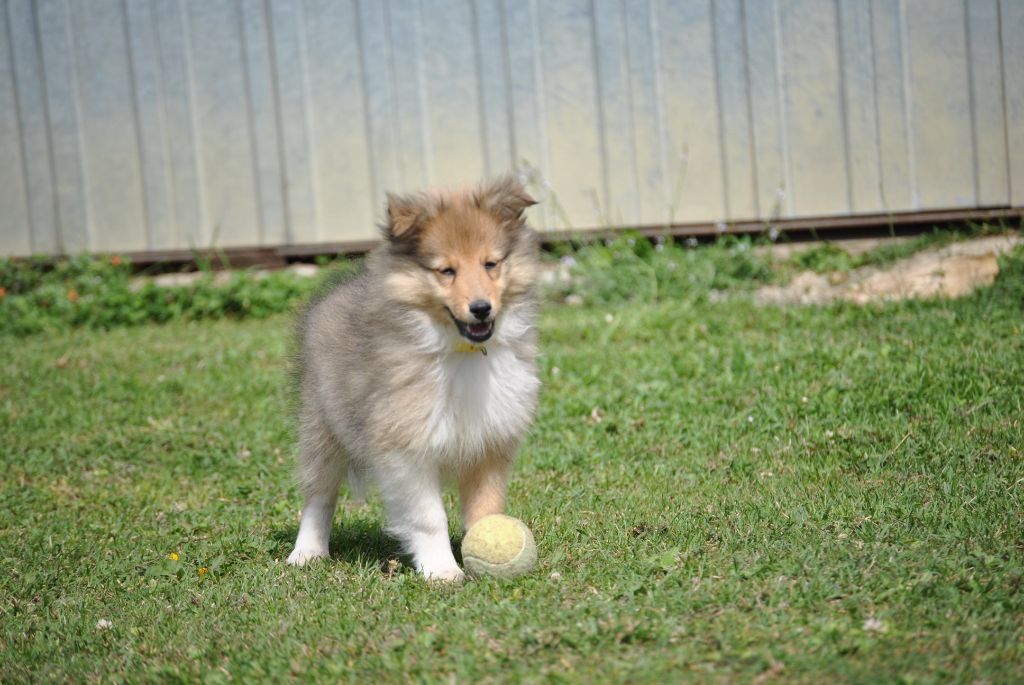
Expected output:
{"points": [[481, 309]]}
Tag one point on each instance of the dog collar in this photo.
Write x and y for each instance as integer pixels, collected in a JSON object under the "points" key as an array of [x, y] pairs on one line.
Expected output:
{"points": [[464, 346]]}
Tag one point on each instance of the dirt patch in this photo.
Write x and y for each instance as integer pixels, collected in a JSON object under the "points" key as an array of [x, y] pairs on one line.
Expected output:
{"points": [[951, 271], [851, 246], [220, 278]]}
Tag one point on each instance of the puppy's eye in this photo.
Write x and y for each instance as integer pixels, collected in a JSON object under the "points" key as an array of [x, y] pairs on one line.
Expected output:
{"points": [[447, 272], [490, 265]]}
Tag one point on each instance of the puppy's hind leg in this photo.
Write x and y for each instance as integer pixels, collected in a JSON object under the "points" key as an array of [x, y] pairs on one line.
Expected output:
{"points": [[321, 466]]}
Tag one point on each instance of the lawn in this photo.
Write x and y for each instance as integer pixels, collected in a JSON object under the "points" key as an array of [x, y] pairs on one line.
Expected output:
{"points": [[719, 492]]}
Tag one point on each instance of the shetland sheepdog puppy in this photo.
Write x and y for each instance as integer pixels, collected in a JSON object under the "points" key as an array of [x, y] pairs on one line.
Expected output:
{"points": [[421, 371]]}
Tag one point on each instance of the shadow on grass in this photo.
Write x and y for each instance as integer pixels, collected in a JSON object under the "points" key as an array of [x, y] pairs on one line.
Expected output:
{"points": [[361, 542]]}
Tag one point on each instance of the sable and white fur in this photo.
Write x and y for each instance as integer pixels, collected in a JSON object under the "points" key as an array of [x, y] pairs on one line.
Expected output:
{"points": [[390, 394]]}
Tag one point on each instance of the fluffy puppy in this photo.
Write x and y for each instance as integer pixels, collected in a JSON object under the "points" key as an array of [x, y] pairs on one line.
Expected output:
{"points": [[422, 370]]}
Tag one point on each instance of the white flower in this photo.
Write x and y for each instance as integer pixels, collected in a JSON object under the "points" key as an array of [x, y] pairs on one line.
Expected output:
{"points": [[873, 625], [608, 318], [568, 260], [773, 234], [104, 624], [555, 575], [555, 371], [691, 242], [750, 419]]}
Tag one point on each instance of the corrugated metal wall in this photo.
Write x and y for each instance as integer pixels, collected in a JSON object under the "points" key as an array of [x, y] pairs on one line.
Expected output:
{"points": [[130, 125]]}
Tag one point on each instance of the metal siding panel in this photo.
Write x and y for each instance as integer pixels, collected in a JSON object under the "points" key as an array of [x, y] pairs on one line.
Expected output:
{"points": [[493, 70], [620, 196], [264, 114], [570, 91], [647, 91], [527, 109], [1012, 28], [110, 136], [187, 198], [34, 120], [890, 107], [288, 34], [452, 93], [414, 130], [222, 125], [160, 225], [734, 106], [814, 119], [858, 78], [15, 225], [241, 122], [347, 199], [65, 134], [765, 106], [992, 185], [691, 117], [940, 108], [381, 101]]}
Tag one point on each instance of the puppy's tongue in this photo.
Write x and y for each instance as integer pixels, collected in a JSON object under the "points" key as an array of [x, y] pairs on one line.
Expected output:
{"points": [[479, 328]]}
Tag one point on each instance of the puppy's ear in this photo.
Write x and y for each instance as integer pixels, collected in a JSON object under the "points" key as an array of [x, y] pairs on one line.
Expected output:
{"points": [[406, 216], [506, 198]]}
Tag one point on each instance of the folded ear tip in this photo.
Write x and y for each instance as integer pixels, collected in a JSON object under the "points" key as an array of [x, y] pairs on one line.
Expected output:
{"points": [[405, 214], [506, 194], [394, 201]]}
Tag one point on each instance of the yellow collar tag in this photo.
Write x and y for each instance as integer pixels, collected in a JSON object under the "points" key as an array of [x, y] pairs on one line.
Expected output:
{"points": [[463, 346]]}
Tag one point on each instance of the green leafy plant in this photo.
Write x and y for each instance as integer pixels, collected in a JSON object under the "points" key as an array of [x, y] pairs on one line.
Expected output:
{"points": [[632, 268], [103, 293]]}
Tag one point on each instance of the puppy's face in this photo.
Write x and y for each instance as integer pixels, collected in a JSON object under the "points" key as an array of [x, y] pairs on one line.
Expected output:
{"points": [[464, 255]]}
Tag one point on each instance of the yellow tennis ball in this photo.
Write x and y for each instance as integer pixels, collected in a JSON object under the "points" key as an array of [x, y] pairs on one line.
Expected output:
{"points": [[499, 546]]}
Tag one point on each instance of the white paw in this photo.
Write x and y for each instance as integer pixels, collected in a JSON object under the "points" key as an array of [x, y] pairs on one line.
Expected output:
{"points": [[446, 574], [301, 556]]}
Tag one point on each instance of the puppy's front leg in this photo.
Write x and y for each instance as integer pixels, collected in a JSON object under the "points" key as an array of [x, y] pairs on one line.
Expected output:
{"points": [[482, 489], [412, 495]]}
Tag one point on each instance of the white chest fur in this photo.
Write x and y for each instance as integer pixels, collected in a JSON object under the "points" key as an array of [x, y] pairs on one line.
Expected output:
{"points": [[481, 399]]}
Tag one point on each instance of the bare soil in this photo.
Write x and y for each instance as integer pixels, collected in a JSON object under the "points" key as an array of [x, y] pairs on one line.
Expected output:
{"points": [[951, 271]]}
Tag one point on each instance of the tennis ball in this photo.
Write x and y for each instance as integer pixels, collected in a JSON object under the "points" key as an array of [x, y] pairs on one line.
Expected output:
{"points": [[499, 546]]}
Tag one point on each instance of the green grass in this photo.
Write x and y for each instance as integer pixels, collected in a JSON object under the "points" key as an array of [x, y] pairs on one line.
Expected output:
{"points": [[762, 486]]}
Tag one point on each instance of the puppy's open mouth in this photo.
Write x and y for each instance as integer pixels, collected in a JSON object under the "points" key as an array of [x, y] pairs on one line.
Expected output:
{"points": [[478, 332]]}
